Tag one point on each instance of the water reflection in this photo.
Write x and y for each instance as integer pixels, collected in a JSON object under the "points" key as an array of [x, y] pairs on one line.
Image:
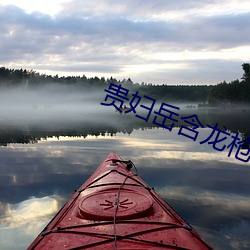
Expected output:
{"points": [[111, 123], [209, 189], [31, 210], [21, 221]]}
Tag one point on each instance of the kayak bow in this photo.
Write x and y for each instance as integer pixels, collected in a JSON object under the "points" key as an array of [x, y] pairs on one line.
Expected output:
{"points": [[116, 209]]}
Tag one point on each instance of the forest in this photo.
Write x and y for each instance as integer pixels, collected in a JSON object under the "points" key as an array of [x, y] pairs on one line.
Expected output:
{"points": [[224, 93]]}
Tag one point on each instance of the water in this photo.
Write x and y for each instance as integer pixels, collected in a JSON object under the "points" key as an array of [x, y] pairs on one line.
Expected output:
{"points": [[43, 162]]}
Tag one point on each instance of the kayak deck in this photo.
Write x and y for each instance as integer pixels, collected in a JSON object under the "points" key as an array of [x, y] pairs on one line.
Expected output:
{"points": [[116, 209]]}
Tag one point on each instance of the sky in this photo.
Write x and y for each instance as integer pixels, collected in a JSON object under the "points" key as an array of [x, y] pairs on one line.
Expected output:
{"points": [[159, 42]]}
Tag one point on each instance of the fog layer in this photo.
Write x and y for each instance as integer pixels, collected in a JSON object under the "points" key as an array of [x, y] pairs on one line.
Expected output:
{"points": [[54, 102]]}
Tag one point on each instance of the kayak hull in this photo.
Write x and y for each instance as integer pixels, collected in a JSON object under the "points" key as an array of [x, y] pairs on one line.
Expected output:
{"points": [[116, 209]]}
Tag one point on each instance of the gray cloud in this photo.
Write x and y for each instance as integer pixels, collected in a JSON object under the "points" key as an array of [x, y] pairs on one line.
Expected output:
{"points": [[132, 8], [225, 29], [107, 40]]}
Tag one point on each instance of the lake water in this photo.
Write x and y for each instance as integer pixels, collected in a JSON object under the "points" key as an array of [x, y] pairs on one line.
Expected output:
{"points": [[44, 161]]}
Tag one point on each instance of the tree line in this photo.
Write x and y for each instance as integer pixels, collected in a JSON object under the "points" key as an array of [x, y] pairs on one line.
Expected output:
{"points": [[236, 91]]}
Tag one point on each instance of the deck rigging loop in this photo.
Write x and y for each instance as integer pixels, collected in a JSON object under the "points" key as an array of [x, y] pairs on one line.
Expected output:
{"points": [[130, 174]]}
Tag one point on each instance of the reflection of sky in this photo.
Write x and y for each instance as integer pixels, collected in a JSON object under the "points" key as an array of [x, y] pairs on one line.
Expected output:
{"points": [[22, 220], [208, 188]]}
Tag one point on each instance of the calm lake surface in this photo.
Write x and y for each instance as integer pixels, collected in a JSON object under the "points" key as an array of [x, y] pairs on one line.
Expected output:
{"points": [[43, 161]]}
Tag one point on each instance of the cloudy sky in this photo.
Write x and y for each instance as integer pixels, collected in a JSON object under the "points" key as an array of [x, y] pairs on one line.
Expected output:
{"points": [[157, 41]]}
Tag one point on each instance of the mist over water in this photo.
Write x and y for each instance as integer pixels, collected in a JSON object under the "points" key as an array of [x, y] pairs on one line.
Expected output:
{"points": [[53, 103], [58, 102], [61, 104], [59, 107]]}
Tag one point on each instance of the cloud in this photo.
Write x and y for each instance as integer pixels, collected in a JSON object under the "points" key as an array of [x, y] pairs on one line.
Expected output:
{"points": [[148, 9], [122, 30], [98, 39]]}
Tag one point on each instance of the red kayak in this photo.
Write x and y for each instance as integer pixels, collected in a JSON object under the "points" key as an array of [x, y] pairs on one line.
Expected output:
{"points": [[116, 209]]}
